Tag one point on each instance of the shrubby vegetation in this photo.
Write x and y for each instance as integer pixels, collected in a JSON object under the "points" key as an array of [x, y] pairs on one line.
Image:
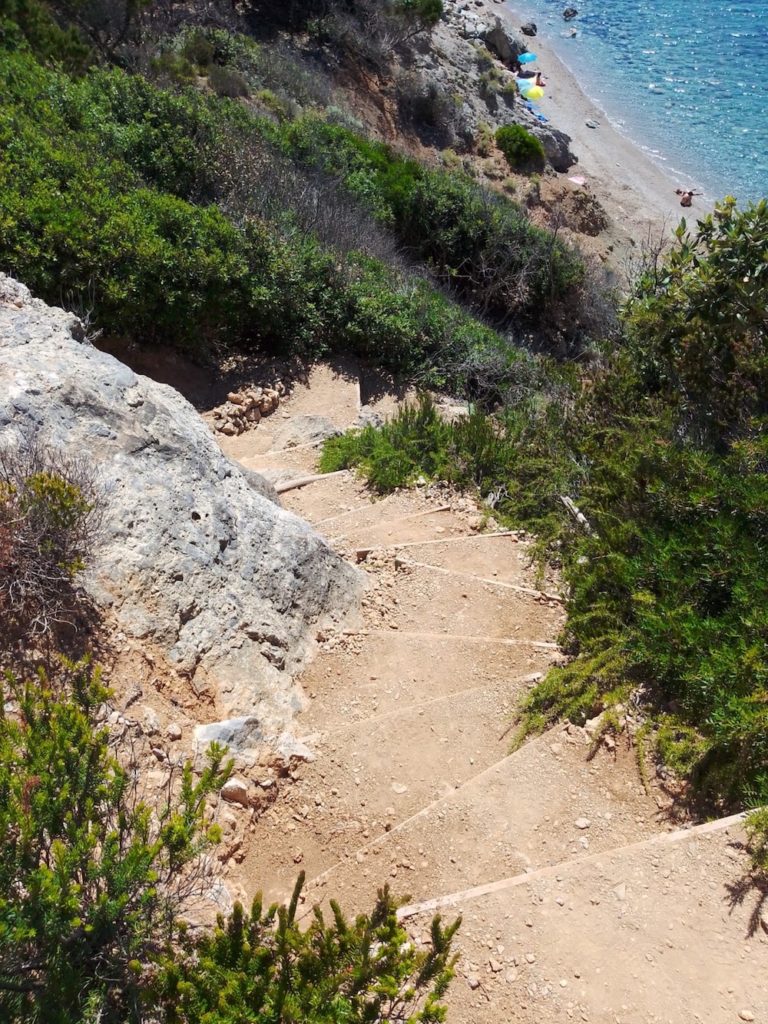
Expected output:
{"points": [[49, 521], [120, 195], [664, 452], [477, 242], [93, 880], [522, 150]]}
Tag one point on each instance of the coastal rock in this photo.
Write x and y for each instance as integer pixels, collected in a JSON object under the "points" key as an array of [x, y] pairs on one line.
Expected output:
{"points": [[503, 44], [557, 146], [569, 13], [529, 28], [193, 560]]}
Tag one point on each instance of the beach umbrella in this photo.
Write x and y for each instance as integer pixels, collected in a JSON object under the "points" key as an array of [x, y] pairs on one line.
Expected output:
{"points": [[535, 93], [526, 58]]}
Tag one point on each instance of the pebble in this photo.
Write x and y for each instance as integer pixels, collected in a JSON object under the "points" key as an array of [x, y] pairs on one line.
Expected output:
{"points": [[173, 732], [473, 981], [746, 1015], [582, 823]]}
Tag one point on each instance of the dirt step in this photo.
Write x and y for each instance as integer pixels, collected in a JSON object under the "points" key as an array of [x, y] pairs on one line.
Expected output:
{"points": [[373, 774], [544, 804], [392, 531], [422, 600], [392, 669], [648, 934]]}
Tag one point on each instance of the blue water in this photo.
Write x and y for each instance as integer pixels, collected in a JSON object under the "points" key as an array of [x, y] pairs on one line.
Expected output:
{"points": [[685, 79]]}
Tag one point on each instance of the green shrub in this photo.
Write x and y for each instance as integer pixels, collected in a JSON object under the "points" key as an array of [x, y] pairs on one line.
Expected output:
{"points": [[198, 49], [30, 22], [757, 832], [226, 82], [425, 13], [264, 966], [522, 150], [484, 139], [49, 523], [477, 242], [90, 878]]}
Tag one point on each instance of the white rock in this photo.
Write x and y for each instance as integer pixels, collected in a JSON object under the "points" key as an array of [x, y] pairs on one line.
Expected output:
{"points": [[192, 560], [582, 823]]}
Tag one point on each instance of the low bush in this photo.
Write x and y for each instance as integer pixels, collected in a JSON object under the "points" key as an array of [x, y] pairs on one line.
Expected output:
{"points": [[91, 879], [226, 82], [267, 966], [522, 150], [479, 243], [49, 521]]}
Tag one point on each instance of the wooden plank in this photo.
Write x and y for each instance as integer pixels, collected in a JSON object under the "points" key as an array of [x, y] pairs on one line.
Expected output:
{"points": [[362, 553], [302, 481], [530, 591], [454, 638]]}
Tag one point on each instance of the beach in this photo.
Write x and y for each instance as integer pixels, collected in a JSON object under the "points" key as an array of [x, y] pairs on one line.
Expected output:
{"points": [[638, 195]]}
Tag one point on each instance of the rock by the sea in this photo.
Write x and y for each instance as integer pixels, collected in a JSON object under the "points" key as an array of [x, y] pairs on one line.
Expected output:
{"points": [[529, 28], [557, 144], [194, 560], [502, 43]]}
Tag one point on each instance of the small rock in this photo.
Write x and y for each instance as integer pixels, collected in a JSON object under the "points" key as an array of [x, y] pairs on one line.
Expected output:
{"points": [[473, 981], [298, 856], [746, 1015], [150, 723], [582, 823], [495, 966], [235, 791], [173, 732], [592, 124], [530, 958], [529, 28], [399, 788], [569, 13]]}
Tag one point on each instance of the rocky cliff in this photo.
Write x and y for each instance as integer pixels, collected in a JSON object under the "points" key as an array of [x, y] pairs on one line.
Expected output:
{"points": [[195, 559]]}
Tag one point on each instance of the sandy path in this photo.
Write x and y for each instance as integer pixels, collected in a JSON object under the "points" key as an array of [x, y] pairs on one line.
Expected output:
{"points": [[413, 783]]}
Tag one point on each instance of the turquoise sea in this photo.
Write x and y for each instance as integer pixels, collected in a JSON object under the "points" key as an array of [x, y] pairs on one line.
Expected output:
{"points": [[685, 79]]}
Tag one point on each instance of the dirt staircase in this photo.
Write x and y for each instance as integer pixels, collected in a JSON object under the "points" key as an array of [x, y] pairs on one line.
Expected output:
{"points": [[581, 912]]}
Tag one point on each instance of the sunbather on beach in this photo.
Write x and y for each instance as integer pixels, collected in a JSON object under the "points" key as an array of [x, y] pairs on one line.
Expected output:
{"points": [[686, 196]]}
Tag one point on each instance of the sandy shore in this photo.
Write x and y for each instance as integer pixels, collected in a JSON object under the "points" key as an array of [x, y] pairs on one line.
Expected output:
{"points": [[637, 194]]}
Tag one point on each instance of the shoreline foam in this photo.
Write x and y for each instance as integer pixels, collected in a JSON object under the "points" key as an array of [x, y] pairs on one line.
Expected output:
{"points": [[637, 193]]}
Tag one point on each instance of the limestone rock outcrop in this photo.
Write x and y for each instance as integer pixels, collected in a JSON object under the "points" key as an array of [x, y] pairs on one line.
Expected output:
{"points": [[503, 44], [194, 559]]}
